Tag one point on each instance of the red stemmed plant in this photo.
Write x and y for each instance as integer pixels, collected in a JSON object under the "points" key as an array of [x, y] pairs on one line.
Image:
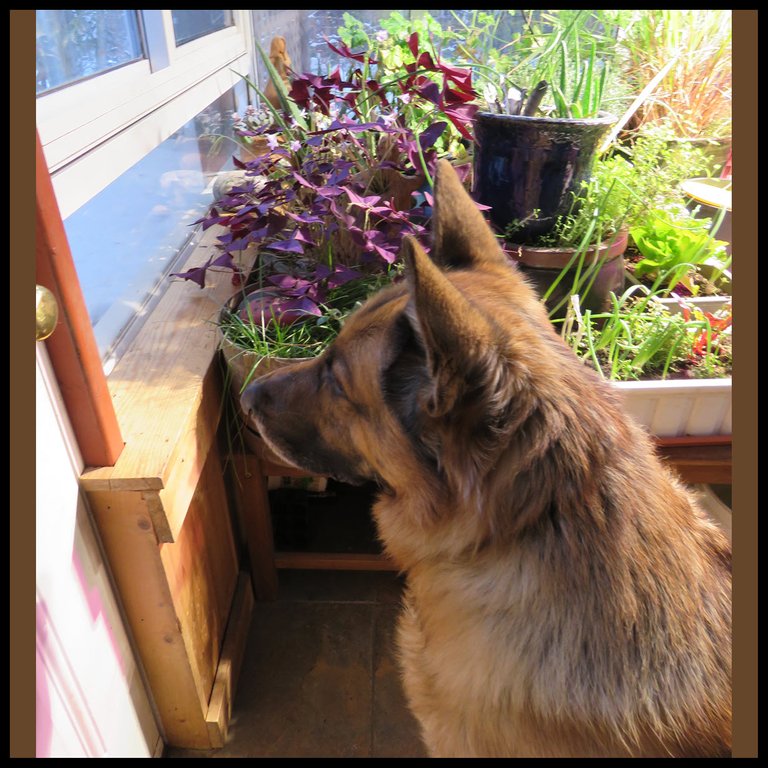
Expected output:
{"points": [[346, 177]]}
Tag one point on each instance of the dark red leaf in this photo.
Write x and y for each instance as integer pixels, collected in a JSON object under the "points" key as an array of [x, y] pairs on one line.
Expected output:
{"points": [[431, 134], [343, 50], [413, 44], [431, 92]]}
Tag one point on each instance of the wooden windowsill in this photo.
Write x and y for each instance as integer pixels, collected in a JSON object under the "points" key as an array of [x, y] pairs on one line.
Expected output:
{"points": [[167, 397]]}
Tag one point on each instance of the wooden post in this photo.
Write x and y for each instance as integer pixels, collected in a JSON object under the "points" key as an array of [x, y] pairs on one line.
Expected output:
{"points": [[252, 502]]}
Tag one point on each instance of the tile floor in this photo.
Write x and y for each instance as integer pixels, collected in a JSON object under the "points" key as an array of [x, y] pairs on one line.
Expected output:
{"points": [[319, 677]]}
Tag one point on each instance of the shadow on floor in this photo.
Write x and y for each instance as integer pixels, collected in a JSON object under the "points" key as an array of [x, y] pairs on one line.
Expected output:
{"points": [[319, 677]]}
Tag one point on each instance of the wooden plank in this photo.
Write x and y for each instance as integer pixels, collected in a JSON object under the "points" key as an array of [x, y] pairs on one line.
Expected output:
{"points": [[342, 561], [201, 568], [715, 508], [252, 504], [230, 662], [132, 550], [157, 386], [192, 453], [283, 470], [704, 472], [699, 459]]}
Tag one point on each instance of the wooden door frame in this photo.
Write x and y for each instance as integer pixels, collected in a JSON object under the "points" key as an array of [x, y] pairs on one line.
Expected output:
{"points": [[72, 347]]}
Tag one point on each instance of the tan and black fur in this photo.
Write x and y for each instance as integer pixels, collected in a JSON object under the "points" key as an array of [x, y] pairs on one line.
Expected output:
{"points": [[565, 596]]}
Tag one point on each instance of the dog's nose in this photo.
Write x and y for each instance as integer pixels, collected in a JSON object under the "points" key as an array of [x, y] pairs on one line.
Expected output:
{"points": [[255, 397]]}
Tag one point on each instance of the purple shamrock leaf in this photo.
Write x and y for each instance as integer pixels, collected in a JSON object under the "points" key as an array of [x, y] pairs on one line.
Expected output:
{"points": [[287, 246]]}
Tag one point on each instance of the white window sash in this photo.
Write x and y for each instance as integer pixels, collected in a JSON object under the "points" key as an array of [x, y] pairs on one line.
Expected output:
{"points": [[95, 130]]}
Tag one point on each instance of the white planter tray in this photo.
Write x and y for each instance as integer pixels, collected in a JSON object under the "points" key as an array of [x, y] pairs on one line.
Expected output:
{"points": [[681, 407]]}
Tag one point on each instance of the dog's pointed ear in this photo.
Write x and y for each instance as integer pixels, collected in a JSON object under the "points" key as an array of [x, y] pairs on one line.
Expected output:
{"points": [[460, 235], [456, 337]]}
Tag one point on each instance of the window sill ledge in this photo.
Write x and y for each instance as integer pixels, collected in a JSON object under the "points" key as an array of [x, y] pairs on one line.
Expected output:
{"points": [[167, 397]]}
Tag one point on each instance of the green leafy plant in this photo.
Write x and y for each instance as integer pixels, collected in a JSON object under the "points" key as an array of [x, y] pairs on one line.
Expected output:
{"points": [[672, 250], [639, 192], [598, 211], [639, 338], [250, 324], [565, 60], [627, 187]]}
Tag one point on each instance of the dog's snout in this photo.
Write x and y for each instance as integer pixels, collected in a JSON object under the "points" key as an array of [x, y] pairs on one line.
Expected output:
{"points": [[255, 397]]}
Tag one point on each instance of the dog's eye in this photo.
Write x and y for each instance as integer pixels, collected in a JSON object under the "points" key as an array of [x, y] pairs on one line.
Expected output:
{"points": [[331, 376]]}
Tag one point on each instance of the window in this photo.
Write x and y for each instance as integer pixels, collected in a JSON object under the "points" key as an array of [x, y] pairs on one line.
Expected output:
{"points": [[73, 45], [305, 31], [126, 239], [126, 115], [189, 25]]}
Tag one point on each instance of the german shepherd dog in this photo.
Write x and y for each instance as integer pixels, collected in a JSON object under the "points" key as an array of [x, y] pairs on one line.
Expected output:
{"points": [[564, 594]]}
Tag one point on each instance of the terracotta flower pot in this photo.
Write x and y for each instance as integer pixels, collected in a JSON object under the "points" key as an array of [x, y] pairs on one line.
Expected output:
{"points": [[542, 266], [244, 366]]}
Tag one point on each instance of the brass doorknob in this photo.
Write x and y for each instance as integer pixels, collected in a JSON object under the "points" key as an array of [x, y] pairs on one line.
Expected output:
{"points": [[46, 313]]}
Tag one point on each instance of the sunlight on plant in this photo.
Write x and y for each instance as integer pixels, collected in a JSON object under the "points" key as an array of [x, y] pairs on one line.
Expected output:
{"points": [[640, 338], [695, 94]]}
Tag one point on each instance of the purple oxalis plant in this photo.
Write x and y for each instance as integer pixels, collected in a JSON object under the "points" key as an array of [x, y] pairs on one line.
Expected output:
{"points": [[335, 195]]}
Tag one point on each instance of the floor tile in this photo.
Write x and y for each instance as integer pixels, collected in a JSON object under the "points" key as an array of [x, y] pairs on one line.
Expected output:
{"points": [[305, 688], [339, 586], [395, 730], [319, 677]]}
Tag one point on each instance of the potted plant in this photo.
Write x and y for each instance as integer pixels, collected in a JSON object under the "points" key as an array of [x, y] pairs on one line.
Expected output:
{"points": [[535, 145], [692, 48], [665, 340], [534, 150], [346, 176], [632, 203], [670, 359]]}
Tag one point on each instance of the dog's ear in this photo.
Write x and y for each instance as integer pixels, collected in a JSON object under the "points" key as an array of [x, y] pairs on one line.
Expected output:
{"points": [[457, 339], [460, 235]]}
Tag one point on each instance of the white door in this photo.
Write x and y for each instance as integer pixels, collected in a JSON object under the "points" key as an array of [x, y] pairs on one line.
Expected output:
{"points": [[90, 697]]}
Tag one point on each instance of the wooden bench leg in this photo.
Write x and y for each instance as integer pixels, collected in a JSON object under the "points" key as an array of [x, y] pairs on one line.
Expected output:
{"points": [[253, 509]]}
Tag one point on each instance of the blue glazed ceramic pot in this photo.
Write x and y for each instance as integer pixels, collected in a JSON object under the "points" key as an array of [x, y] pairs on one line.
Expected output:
{"points": [[526, 164]]}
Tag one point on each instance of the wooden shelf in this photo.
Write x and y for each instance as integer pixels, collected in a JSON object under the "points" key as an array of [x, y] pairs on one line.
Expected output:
{"points": [[698, 460], [707, 460], [334, 561]]}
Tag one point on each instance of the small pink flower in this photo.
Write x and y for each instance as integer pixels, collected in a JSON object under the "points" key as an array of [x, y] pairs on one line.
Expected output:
{"points": [[389, 119], [272, 142], [295, 145]]}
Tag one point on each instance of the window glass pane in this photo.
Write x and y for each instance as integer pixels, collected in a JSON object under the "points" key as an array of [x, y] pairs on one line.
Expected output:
{"points": [[305, 31], [125, 240], [188, 25], [73, 45]]}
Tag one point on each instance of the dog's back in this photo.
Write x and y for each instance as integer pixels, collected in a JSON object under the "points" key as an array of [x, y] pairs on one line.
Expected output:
{"points": [[565, 595], [572, 599]]}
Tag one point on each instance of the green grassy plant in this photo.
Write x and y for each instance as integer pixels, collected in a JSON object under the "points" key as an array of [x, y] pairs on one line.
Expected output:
{"points": [[694, 96], [639, 338]]}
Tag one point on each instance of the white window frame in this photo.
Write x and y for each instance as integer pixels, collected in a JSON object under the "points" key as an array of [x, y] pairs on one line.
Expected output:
{"points": [[95, 130]]}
